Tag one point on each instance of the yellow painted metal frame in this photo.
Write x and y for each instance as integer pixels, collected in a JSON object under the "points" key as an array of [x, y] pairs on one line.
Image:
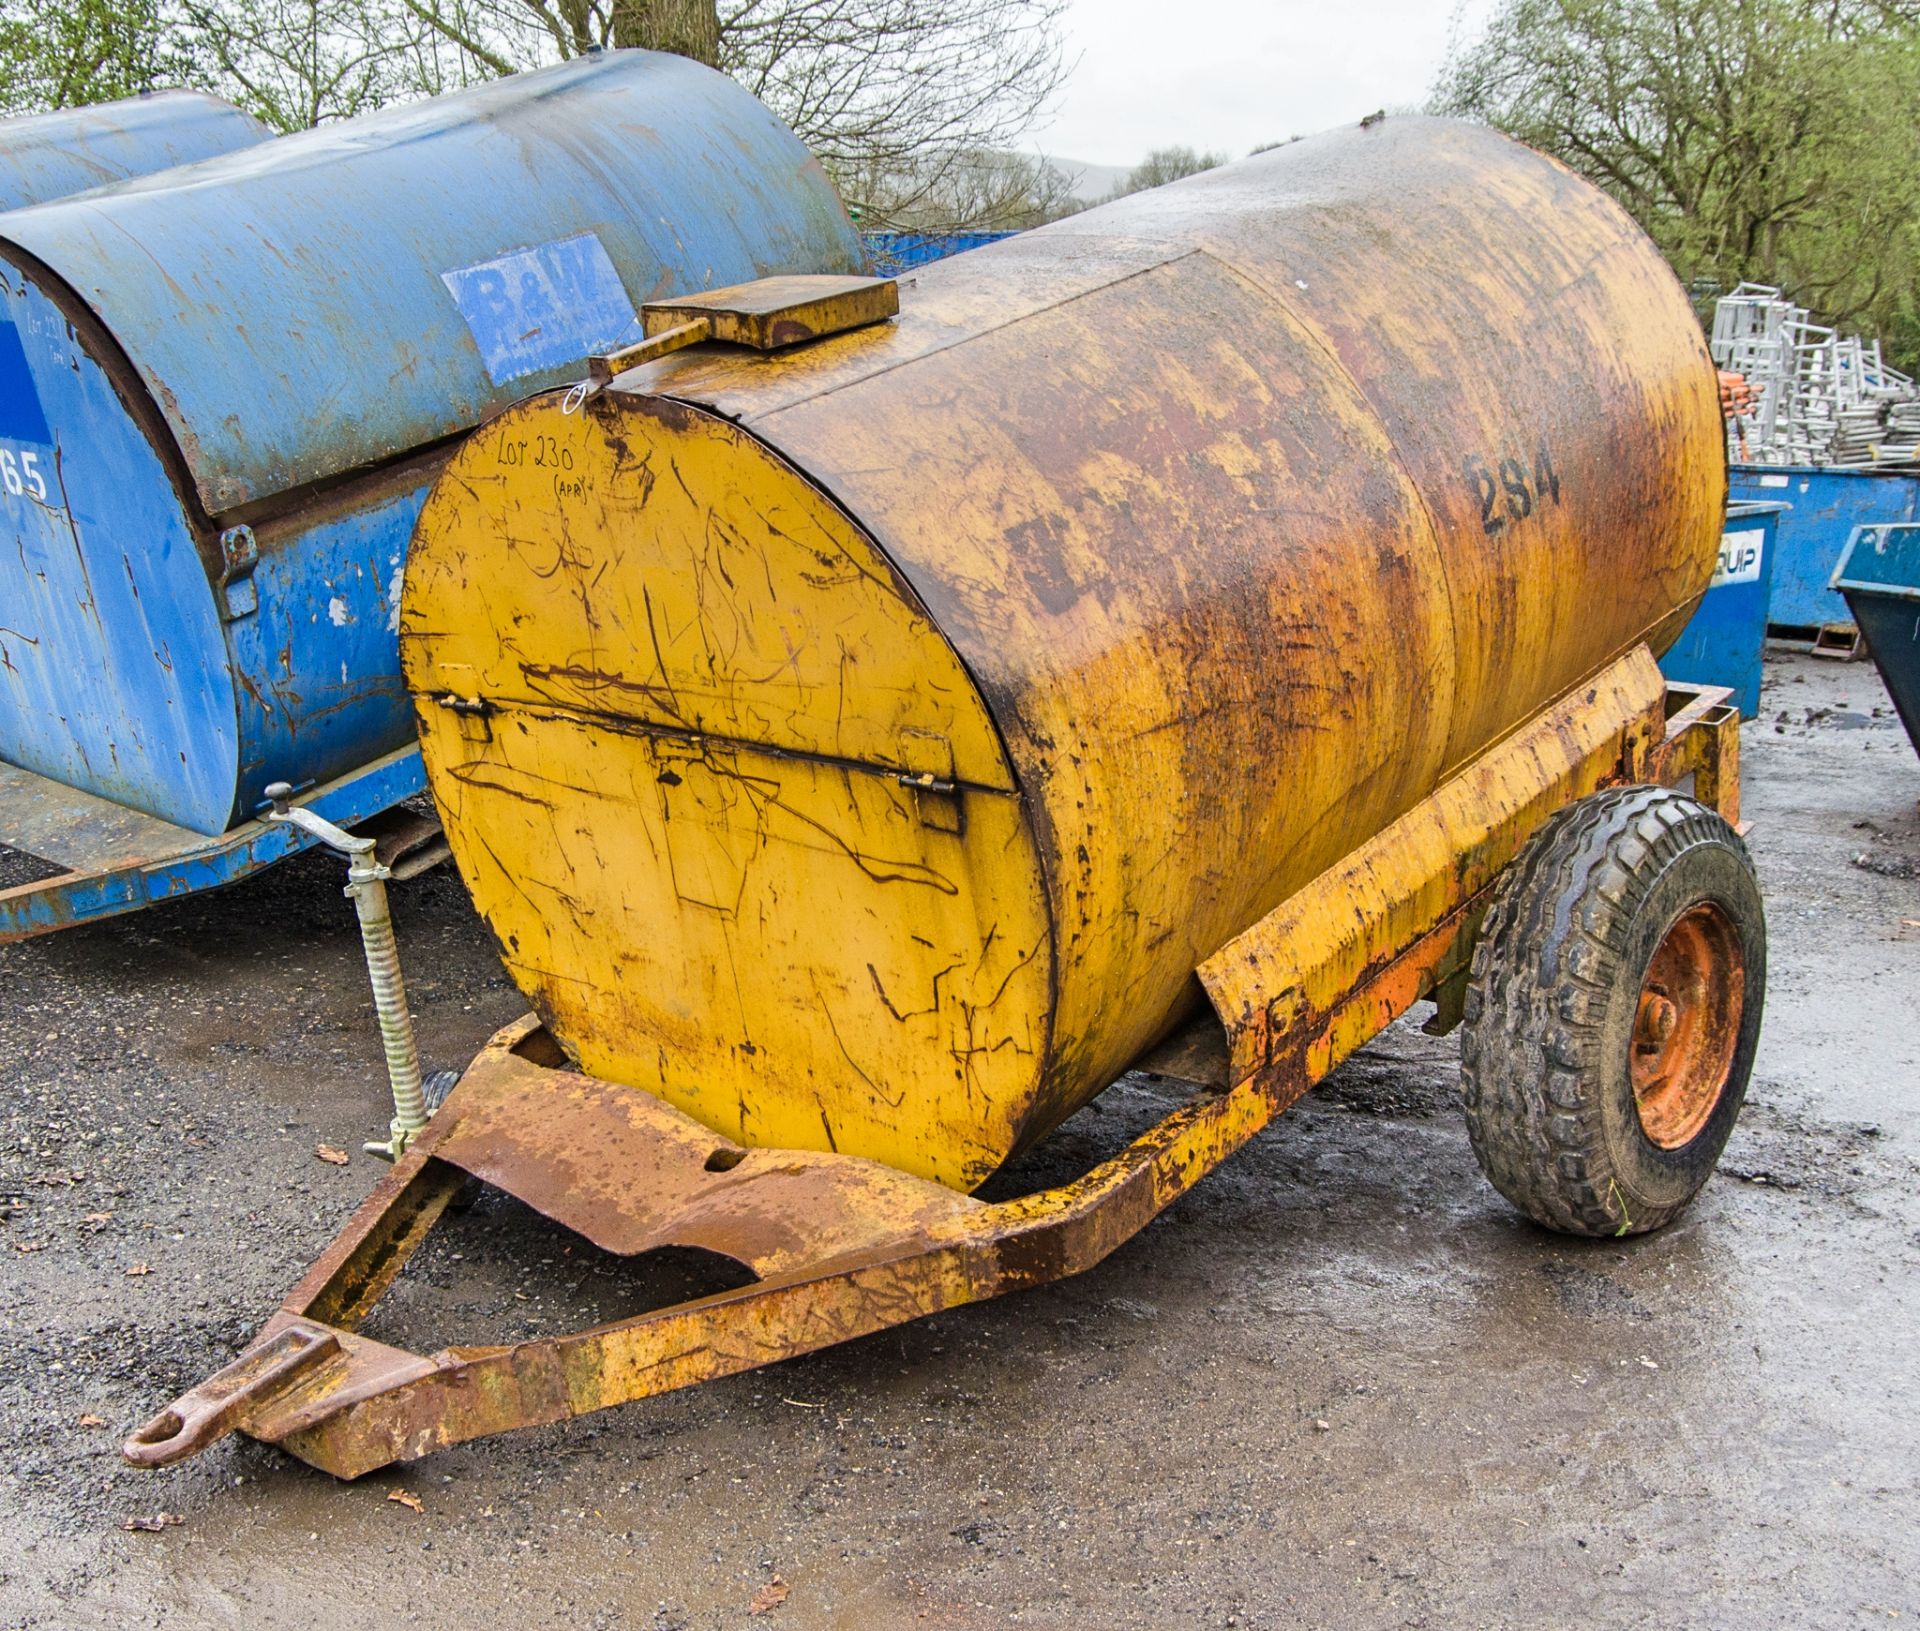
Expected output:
{"points": [[1294, 995]]}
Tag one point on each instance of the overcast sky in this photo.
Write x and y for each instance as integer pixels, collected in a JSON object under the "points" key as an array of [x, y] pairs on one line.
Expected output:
{"points": [[1231, 74]]}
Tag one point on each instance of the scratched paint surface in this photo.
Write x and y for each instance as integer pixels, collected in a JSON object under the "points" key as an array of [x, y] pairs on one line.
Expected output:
{"points": [[709, 698], [317, 663], [1253, 506], [94, 555], [45, 156]]}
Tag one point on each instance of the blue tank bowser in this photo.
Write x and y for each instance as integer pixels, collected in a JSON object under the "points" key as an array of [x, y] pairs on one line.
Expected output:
{"points": [[44, 156], [225, 391]]}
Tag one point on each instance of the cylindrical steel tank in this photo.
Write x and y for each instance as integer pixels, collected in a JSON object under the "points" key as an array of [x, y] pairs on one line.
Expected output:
{"points": [[44, 156], [860, 746], [224, 391]]}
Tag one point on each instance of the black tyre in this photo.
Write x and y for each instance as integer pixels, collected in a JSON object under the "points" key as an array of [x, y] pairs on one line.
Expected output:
{"points": [[435, 1088], [1613, 1010]]}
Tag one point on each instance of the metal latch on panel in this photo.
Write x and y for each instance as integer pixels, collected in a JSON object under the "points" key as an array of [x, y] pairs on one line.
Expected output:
{"points": [[768, 315], [475, 715], [239, 555], [927, 760]]}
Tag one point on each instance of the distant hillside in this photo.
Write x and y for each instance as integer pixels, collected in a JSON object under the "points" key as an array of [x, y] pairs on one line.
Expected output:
{"points": [[1090, 182]]}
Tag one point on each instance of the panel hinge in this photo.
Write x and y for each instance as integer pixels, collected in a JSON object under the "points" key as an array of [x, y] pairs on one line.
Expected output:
{"points": [[239, 555], [925, 781], [935, 784], [474, 713]]}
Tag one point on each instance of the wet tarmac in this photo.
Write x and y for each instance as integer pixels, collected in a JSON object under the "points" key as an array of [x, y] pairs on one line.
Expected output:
{"points": [[1340, 1383]]}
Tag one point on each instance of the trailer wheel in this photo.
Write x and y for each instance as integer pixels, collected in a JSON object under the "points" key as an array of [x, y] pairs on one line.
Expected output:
{"points": [[1612, 1011]]}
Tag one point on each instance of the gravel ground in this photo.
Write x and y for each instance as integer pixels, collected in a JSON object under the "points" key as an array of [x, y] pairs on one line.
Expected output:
{"points": [[1339, 1383]]}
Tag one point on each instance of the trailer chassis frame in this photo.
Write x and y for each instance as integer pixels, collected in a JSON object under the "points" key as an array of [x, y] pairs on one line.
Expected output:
{"points": [[843, 1246]]}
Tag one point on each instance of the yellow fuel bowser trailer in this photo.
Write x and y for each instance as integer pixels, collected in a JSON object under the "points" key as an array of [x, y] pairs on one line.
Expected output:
{"points": [[1180, 638]]}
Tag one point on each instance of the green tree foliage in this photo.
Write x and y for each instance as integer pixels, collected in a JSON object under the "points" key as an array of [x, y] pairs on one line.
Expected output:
{"points": [[293, 63], [1775, 140], [87, 51]]}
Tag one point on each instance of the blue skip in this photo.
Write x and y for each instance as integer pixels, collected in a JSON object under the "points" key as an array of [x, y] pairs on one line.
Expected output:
{"points": [[897, 252], [1826, 506], [1879, 576], [1723, 641]]}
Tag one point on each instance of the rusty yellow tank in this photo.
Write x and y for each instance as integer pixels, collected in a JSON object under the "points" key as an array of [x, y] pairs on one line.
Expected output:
{"points": [[859, 745]]}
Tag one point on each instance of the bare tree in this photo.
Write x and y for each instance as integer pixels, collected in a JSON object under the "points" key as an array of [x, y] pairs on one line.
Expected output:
{"points": [[298, 63], [687, 28], [901, 93], [507, 36], [986, 191], [1166, 164], [911, 104], [898, 98]]}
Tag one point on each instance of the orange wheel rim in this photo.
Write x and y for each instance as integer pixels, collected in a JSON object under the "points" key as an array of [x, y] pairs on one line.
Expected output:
{"points": [[1687, 1025]]}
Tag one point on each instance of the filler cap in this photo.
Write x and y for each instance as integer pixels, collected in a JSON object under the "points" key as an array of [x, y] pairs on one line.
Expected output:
{"points": [[766, 315]]}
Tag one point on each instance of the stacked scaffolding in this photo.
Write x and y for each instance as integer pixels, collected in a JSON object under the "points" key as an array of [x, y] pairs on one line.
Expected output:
{"points": [[1817, 397]]}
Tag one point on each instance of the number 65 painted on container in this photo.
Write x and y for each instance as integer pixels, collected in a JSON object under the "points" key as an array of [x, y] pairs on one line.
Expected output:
{"points": [[21, 474]]}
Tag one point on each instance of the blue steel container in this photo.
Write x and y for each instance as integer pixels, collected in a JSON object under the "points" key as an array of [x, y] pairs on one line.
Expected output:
{"points": [[225, 391], [44, 156], [1827, 506], [896, 252], [1723, 641], [1880, 577]]}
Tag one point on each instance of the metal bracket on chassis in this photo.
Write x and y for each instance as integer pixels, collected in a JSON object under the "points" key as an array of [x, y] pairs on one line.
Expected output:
{"points": [[1702, 740], [844, 1246]]}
